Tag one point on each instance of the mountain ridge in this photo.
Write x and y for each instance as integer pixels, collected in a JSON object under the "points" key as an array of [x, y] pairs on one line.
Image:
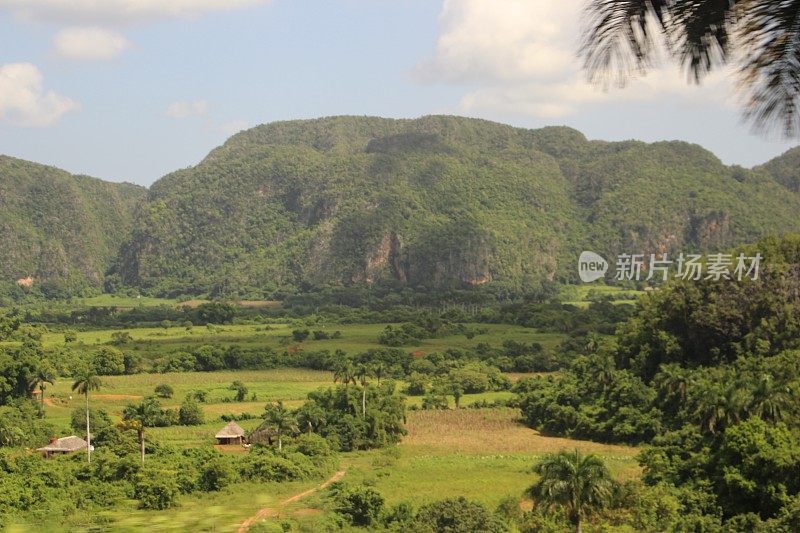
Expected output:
{"points": [[441, 201]]}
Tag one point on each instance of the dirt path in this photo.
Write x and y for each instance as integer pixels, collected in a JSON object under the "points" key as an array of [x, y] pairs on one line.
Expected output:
{"points": [[271, 512]]}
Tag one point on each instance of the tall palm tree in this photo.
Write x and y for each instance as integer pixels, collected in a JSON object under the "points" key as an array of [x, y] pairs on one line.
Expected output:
{"points": [[44, 374], [281, 420], [576, 482], [702, 36], [362, 374], [84, 383], [140, 416]]}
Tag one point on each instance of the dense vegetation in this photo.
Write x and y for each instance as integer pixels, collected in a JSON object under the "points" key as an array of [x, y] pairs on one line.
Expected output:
{"points": [[440, 201], [59, 229], [708, 374]]}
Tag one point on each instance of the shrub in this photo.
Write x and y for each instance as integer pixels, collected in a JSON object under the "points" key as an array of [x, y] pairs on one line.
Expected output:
{"points": [[190, 413], [156, 489], [299, 335], [108, 361], [456, 515], [360, 505], [164, 391], [216, 475]]}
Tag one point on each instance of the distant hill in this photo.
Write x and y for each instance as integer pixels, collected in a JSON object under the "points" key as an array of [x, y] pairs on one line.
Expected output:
{"points": [[438, 201], [785, 169], [56, 228]]}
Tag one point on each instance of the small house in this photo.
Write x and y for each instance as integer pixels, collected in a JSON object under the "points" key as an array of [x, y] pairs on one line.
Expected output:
{"points": [[63, 446], [230, 434]]}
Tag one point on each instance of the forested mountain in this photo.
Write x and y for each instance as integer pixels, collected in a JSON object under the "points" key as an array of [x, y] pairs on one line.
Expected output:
{"points": [[440, 201], [59, 231], [786, 168]]}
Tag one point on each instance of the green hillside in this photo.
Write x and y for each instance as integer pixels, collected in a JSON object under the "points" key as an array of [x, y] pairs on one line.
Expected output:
{"points": [[57, 229], [786, 168], [439, 201]]}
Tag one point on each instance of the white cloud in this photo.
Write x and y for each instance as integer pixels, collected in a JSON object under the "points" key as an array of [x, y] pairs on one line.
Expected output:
{"points": [[117, 11], [234, 126], [520, 57], [509, 40], [89, 43], [24, 102], [187, 109]]}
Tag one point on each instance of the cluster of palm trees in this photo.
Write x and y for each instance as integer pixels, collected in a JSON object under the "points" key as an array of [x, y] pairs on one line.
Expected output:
{"points": [[280, 420], [716, 399], [347, 372]]}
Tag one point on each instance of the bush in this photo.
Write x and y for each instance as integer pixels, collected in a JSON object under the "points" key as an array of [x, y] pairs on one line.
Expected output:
{"points": [[299, 335], [164, 391], [190, 413], [108, 361], [156, 489], [216, 475], [360, 505], [456, 515]]}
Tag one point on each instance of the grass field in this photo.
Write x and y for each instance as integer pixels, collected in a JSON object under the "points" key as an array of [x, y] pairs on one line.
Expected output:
{"points": [[582, 295]]}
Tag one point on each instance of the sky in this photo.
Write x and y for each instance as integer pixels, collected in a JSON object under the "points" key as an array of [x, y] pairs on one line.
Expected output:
{"points": [[130, 90]]}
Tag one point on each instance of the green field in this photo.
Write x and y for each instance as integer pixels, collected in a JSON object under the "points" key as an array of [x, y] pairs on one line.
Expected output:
{"points": [[354, 338], [446, 453]]}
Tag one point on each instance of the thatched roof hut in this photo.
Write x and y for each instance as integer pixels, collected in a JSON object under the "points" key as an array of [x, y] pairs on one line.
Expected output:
{"points": [[232, 433], [63, 445]]}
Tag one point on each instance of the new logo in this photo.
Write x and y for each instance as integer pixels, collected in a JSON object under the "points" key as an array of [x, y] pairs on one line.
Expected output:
{"points": [[591, 267]]}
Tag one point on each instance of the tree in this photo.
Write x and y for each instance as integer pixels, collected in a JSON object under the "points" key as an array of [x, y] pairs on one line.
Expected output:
{"points": [[573, 481], [215, 313], [361, 505], [362, 374], [190, 413], [84, 383], [344, 372], [280, 420], [44, 374], [241, 390], [108, 361], [619, 42], [140, 416]]}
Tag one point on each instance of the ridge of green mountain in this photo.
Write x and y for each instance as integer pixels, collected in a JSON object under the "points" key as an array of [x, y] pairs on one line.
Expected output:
{"points": [[437, 201], [785, 168], [60, 230]]}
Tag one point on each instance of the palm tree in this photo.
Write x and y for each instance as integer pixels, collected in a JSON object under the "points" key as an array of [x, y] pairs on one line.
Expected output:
{"points": [[770, 400], [618, 43], [85, 382], [717, 407], [140, 416], [281, 420], [44, 374], [344, 372], [576, 482], [362, 374]]}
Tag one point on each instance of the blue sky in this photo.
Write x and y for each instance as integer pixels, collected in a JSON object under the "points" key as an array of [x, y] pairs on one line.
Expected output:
{"points": [[128, 90]]}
